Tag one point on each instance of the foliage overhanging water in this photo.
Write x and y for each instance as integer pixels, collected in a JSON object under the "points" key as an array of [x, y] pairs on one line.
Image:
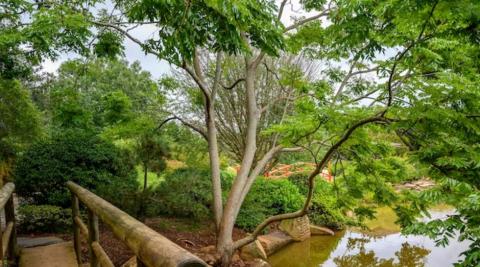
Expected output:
{"points": [[384, 246]]}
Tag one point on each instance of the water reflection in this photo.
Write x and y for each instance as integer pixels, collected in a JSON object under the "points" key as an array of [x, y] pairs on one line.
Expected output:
{"points": [[359, 249], [408, 256]]}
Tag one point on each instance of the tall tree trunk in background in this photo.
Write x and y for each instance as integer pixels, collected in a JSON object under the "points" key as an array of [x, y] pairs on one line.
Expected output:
{"points": [[141, 208]]}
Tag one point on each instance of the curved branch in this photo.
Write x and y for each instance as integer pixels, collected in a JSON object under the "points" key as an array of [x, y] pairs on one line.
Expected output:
{"points": [[349, 75], [184, 122], [233, 84], [311, 181], [282, 7], [203, 87], [404, 52]]}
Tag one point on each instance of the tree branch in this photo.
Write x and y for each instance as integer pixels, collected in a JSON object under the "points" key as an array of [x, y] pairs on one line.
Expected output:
{"points": [[203, 87], [404, 52], [299, 23], [280, 10], [349, 75], [233, 84], [311, 181], [218, 72], [184, 122], [127, 34]]}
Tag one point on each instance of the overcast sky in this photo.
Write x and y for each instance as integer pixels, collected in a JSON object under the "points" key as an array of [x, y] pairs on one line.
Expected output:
{"points": [[148, 62]]}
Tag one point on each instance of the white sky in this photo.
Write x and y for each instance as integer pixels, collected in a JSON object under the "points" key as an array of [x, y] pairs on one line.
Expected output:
{"points": [[149, 62]]}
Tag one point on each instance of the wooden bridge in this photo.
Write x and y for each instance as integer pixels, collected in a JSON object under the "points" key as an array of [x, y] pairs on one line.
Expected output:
{"points": [[150, 248]]}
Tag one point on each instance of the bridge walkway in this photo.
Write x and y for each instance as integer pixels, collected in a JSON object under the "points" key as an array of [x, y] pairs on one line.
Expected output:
{"points": [[150, 248], [54, 255]]}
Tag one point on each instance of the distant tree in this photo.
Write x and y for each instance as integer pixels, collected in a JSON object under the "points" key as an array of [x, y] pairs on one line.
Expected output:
{"points": [[19, 122], [152, 152], [101, 93], [30, 33]]}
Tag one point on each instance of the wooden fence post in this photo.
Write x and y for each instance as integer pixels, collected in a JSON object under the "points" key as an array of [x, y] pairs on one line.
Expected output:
{"points": [[93, 235], [77, 242]]}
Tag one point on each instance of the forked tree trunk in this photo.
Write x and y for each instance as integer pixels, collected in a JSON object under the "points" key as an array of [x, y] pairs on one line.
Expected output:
{"points": [[224, 237]]}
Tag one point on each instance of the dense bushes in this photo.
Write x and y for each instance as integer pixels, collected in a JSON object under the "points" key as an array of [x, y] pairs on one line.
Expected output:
{"points": [[187, 192], [266, 198], [324, 209], [43, 219], [86, 159]]}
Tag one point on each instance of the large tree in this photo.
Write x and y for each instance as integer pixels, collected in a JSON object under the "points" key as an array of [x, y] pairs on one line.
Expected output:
{"points": [[100, 93], [29, 33], [384, 60], [279, 82], [377, 55]]}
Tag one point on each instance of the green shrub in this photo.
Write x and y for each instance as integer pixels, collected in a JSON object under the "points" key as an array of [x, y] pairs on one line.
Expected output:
{"points": [[86, 159], [267, 198], [300, 180], [324, 209], [185, 192], [43, 219]]}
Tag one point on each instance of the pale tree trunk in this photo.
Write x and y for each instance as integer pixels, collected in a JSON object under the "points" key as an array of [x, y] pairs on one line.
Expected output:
{"points": [[232, 207], [215, 168], [214, 153], [211, 135]]}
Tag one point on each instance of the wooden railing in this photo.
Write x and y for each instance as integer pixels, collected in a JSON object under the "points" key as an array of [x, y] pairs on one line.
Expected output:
{"points": [[150, 248], [8, 242]]}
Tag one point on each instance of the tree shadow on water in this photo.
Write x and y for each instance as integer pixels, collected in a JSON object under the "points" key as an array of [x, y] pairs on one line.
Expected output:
{"points": [[408, 256]]}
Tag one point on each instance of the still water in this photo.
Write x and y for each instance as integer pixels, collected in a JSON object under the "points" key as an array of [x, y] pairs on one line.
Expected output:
{"points": [[384, 246]]}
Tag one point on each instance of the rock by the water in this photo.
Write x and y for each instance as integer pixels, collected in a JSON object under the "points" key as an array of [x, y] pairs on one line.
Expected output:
{"points": [[318, 230], [274, 241], [418, 185], [252, 251], [297, 228]]}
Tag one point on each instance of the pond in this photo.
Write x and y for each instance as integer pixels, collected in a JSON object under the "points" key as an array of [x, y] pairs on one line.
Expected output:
{"points": [[383, 246]]}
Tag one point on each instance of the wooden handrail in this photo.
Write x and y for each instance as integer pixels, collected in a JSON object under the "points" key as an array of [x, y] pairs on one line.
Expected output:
{"points": [[8, 240], [81, 225], [151, 248], [103, 258]]}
